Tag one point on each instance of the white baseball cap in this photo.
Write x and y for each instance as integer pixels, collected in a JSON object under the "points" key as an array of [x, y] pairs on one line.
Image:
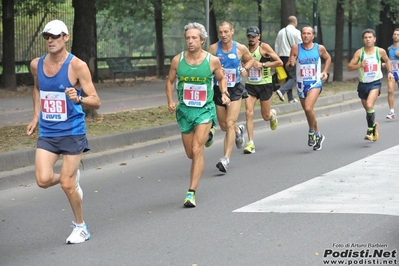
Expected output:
{"points": [[55, 27]]}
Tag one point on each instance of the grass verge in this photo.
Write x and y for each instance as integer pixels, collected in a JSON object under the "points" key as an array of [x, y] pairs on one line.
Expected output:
{"points": [[15, 138]]}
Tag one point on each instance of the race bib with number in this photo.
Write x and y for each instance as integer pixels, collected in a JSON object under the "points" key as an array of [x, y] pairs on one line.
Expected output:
{"points": [[395, 65], [53, 106], [308, 72], [370, 69], [230, 75], [255, 74], [194, 95]]}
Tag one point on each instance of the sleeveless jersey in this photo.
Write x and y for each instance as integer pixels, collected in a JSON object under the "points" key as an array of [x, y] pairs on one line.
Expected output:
{"points": [[308, 67], [59, 116], [394, 60], [230, 63], [372, 71], [194, 83], [262, 75]]}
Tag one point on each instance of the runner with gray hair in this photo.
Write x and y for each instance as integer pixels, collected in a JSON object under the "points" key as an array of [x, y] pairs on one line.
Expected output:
{"points": [[196, 25], [193, 71]]}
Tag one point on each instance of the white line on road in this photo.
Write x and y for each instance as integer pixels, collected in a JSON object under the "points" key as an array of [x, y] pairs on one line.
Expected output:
{"points": [[368, 186]]}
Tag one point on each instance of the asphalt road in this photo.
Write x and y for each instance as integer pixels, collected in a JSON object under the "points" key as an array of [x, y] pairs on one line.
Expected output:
{"points": [[135, 208]]}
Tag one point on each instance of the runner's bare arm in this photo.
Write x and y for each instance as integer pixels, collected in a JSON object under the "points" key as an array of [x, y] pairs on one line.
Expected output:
{"points": [[354, 64], [388, 64], [246, 57], [327, 61], [81, 73], [213, 48], [267, 49], [30, 129], [217, 70], [292, 60], [170, 81]]}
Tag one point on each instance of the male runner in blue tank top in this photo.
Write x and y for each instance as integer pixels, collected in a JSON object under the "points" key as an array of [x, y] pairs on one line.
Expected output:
{"points": [[307, 59], [59, 79], [230, 54], [393, 53], [367, 60]]}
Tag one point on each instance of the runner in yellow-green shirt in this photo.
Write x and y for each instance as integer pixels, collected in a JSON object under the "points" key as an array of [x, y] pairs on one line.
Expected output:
{"points": [[367, 60], [259, 84]]}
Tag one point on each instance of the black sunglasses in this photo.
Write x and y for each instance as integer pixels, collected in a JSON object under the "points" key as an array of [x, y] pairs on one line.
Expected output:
{"points": [[54, 37]]}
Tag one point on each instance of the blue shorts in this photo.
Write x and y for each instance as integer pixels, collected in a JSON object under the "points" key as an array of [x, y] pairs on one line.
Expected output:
{"points": [[363, 89], [68, 145], [302, 89], [396, 76]]}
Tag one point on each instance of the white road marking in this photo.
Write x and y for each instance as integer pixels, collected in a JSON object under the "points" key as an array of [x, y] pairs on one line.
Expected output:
{"points": [[368, 186]]}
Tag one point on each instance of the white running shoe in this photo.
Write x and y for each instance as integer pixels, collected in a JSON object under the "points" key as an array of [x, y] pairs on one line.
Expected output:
{"points": [[280, 95], [78, 188], [223, 164], [79, 234], [391, 115]]}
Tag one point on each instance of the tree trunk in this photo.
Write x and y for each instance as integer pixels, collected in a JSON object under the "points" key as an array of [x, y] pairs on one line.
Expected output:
{"points": [[288, 8], [339, 41], [319, 31], [9, 79], [260, 16], [84, 38], [213, 32], [385, 29], [350, 30], [160, 67]]}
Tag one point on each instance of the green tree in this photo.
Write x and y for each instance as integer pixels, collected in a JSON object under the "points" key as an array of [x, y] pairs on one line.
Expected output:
{"points": [[145, 11], [388, 17]]}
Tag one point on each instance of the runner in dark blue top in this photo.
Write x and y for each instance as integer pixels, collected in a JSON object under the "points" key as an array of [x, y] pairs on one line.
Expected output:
{"points": [[59, 79]]}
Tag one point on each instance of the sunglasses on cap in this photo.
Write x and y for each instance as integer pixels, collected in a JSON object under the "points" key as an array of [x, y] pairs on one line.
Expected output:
{"points": [[46, 36]]}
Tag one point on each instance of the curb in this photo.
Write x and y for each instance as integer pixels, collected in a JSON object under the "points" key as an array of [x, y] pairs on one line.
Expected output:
{"points": [[17, 167]]}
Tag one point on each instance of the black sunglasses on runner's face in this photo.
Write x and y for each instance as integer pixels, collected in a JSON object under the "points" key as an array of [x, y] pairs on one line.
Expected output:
{"points": [[46, 36]]}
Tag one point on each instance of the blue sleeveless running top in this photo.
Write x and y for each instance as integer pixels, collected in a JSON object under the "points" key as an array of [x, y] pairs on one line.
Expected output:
{"points": [[394, 61], [308, 67], [230, 63], [59, 116]]}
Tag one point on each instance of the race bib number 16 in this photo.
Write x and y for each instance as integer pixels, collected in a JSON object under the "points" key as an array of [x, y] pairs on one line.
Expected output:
{"points": [[194, 95]]}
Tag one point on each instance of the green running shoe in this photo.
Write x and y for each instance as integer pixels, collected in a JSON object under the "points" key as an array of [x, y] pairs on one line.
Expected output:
{"points": [[273, 121], [189, 201], [249, 148]]}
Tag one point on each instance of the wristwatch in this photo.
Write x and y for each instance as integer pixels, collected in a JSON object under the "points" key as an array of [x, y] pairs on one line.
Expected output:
{"points": [[263, 64], [80, 99], [227, 93]]}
